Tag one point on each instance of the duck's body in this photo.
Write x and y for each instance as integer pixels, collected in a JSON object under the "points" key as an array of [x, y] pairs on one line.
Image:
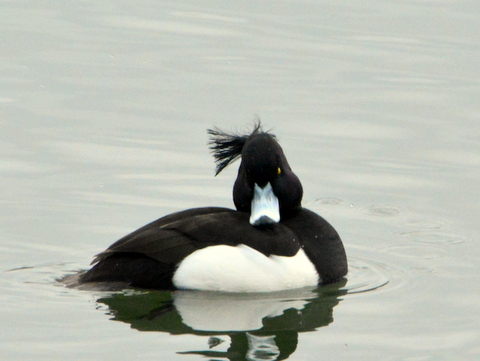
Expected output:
{"points": [[252, 249]]}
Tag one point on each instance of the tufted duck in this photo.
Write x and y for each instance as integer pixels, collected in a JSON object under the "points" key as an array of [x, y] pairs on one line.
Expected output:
{"points": [[269, 243]]}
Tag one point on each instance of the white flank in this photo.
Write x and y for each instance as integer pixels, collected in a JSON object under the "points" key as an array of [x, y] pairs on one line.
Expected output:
{"points": [[243, 269]]}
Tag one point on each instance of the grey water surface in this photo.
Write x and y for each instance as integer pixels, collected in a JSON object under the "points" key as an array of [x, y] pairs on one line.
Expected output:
{"points": [[103, 112]]}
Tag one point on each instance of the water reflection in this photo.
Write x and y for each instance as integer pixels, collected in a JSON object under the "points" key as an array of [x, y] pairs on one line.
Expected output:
{"points": [[258, 326]]}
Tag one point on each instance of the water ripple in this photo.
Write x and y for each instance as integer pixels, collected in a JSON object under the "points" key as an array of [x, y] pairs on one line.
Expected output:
{"points": [[366, 275]]}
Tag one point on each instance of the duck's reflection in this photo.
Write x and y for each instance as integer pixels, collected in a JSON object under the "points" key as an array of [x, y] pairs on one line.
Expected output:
{"points": [[259, 326]]}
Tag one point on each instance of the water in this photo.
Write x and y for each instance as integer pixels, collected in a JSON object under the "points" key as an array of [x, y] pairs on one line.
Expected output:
{"points": [[104, 108]]}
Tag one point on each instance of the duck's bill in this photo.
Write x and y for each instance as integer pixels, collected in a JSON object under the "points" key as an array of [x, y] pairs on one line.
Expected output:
{"points": [[265, 206]]}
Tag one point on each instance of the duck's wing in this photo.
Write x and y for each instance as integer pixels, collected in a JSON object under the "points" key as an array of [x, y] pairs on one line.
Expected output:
{"points": [[171, 240], [154, 239], [321, 243]]}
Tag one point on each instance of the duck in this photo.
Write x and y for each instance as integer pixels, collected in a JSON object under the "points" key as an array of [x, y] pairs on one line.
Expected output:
{"points": [[268, 243]]}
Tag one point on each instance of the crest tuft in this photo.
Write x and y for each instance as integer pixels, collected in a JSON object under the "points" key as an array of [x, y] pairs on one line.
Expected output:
{"points": [[226, 147]]}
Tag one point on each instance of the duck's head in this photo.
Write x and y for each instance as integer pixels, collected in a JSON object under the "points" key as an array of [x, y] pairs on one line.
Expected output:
{"points": [[265, 187]]}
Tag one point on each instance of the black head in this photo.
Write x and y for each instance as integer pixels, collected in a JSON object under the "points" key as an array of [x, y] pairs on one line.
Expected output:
{"points": [[263, 163]]}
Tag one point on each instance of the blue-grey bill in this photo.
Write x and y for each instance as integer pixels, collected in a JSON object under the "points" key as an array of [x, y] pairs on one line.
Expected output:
{"points": [[265, 207]]}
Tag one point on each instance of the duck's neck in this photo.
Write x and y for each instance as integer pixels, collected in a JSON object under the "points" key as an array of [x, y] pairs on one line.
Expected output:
{"points": [[287, 214]]}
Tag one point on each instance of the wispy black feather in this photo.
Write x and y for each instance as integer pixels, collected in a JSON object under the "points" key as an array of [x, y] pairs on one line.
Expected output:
{"points": [[227, 147]]}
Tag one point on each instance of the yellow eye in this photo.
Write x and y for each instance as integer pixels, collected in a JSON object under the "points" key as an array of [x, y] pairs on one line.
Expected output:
{"points": [[279, 171]]}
